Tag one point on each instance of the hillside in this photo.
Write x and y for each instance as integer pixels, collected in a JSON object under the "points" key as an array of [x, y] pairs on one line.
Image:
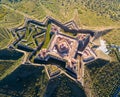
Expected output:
{"points": [[109, 8], [25, 81], [102, 78], [79, 10], [88, 14]]}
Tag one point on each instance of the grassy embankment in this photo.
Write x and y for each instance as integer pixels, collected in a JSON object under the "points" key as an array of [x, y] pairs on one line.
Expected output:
{"points": [[6, 37], [9, 18], [9, 61], [87, 18], [27, 80], [62, 86], [47, 37], [113, 37], [84, 13], [103, 78], [64, 11]]}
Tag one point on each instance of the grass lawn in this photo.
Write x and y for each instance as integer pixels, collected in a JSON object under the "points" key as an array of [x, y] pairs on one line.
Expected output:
{"points": [[47, 37]]}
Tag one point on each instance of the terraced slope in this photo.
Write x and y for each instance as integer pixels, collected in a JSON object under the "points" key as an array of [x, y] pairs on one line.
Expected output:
{"points": [[5, 37], [9, 19], [26, 81], [9, 61]]}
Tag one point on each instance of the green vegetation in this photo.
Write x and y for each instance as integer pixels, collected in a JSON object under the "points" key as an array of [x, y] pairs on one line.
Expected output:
{"points": [[14, 1], [85, 14], [92, 20], [103, 77], [53, 70], [108, 8], [26, 81], [40, 39], [5, 37], [108, 79], [114, 53], [9, 61], [8, 18], [117, 53], [67, 9], [119, 94], [30, 42], [62, 86], [2, 12], [30, 31], [113, 37], [7, 54], [4, 65], [47, 36], [95, 66], [25, 6]]}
